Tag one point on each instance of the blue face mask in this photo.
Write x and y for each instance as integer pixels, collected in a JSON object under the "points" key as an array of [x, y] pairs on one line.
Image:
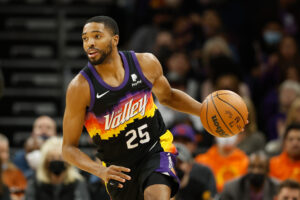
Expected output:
{"points": [[272, 37]]}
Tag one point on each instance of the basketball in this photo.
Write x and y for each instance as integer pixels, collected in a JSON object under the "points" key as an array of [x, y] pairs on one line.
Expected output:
{"points": [[223, 113]]}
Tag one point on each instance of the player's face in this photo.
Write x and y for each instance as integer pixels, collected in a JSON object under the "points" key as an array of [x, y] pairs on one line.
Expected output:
{"points": [[97, 42], [289, 194], [292, 143]]}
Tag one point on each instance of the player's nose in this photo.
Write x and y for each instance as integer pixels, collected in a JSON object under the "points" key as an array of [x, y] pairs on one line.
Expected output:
{"points": [[91, 43]]}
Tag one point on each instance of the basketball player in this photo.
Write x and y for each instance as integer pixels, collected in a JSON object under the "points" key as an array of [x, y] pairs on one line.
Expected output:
{"points": [[112, 98]]}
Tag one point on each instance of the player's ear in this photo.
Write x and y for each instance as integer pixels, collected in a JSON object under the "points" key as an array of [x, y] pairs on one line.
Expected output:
{"points": [[115, 40]]}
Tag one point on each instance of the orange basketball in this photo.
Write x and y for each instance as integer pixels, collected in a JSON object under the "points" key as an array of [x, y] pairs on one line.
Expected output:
{"points": [[223, 113]]}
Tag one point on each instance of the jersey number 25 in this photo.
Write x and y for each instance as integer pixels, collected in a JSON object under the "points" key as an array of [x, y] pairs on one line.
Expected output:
{"points": [[142, 135]]}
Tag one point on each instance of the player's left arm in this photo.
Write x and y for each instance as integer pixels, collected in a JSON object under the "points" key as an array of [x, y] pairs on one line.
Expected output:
{"points": [[173, 98]]}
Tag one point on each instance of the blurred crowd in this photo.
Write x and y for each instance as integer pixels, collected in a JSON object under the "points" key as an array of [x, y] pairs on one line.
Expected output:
{"points": [[249, 47]]}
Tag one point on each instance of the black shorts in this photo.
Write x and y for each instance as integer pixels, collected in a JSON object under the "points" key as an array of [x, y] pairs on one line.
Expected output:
{"points": [[142, 177]]}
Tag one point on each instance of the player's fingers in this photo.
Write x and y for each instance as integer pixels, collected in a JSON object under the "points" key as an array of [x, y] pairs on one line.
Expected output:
{"points": [[120, 168], [125, 176], [117, 178]]}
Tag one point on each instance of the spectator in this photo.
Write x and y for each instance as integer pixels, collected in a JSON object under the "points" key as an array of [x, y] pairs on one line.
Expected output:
{"points": [[281, 65], [12, 176], [274, 147], [185, 134], [251, 139], [288, 59], [288, 190], [256, 184], [224, 73], [293, 115], [184, 37], [287, 164], [271, 36], [178, 66], [145, 37], [43, 128], [225, 160], [4, 191], [197, 181], [211, 24], [55, 179], [288, 92], [214, 47], [32, 154]]}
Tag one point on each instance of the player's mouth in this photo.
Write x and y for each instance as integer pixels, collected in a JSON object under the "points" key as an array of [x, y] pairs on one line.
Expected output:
{"points": [[92, 53]]}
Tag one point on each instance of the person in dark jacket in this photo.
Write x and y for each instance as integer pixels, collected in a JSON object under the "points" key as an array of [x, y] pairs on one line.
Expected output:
{"points": [[256, 184], [197, 181], [55, 179]]}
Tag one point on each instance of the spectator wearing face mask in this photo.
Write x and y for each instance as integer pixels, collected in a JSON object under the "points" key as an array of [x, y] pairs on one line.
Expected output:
{"points": [[33, 154], [55, 179], [43, 128], [255, 185], [197, 181], [225, 160]]}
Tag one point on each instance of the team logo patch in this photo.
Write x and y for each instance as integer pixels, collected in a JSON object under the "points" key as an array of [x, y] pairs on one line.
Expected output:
{"points": [[134, 80], [133, 77]]}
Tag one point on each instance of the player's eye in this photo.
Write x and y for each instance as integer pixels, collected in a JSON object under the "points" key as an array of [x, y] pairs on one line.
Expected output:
{"points": [[97, 36], [84, 38]]}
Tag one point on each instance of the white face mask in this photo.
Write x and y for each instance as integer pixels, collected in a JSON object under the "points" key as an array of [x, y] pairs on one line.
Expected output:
{"points": [[33, 159], [230, 141]]}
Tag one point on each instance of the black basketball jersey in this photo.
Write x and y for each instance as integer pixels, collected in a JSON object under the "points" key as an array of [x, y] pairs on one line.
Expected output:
{"points": [[123, 121]]}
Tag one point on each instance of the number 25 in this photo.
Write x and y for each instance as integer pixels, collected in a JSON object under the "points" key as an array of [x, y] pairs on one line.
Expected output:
{"points": [[144, 137]]}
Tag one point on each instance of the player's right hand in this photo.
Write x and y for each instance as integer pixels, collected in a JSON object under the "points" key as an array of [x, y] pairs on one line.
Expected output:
{"points": [[115, 173]]}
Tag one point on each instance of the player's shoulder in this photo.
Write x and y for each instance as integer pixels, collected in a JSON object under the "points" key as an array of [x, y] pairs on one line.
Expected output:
{"points": [[146, 58], [78, 84], [150, 65]]}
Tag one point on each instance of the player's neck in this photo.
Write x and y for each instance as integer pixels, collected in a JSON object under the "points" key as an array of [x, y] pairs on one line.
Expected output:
{"points": [[110, 62], [112, 68]]}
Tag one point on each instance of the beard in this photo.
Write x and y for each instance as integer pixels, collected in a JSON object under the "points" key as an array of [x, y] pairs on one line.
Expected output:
{"points": [[103, 55]]}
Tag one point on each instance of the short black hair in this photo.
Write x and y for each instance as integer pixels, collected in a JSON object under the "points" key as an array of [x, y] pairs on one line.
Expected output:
{"points": [[107, 21], [291, 127], [288, 183]]}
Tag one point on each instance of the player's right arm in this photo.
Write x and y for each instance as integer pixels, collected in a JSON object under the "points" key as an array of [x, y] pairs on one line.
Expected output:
{"points": [[77, 99]]}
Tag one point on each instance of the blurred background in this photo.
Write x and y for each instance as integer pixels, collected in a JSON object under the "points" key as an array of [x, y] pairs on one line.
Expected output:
{"points": [[250, 47], [254, 43]]}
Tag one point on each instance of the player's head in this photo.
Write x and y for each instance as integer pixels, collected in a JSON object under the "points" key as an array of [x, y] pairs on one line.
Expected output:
{"points": [[100, 36], [291, 139], [288, 190]]}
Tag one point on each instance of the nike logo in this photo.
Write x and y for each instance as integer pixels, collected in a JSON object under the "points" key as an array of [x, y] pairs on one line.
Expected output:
{"points": [[101, 95]]}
